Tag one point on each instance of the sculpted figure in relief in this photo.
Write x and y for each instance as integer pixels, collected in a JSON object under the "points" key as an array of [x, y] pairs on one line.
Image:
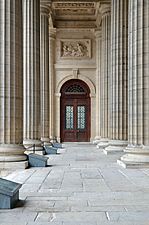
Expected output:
{"points": [[74, 50]]}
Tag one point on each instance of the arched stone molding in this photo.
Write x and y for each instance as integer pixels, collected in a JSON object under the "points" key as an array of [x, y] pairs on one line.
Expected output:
{"points": [[93, 103], [80, 77]]}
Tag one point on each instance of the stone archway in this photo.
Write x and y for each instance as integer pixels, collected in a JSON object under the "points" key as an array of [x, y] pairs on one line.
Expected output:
{"points": [[75, 111]]}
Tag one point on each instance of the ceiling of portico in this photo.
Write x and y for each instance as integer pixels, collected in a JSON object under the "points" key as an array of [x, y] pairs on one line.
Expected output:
{"points": [[75, 13]]}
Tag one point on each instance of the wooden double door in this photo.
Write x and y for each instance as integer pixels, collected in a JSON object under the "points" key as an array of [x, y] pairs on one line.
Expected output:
{"points": [[75, 117]]}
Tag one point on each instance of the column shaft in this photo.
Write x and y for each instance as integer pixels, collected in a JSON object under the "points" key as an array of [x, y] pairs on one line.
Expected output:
{"points": [[119, 55], [11, 84], [44, 72], [119, 69], [138, 84], [106, 51], [105, 76], [137, 73], [98, 87], [52, 36], [31, 72]]}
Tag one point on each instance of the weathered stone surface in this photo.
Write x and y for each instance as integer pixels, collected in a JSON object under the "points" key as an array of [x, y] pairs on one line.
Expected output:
{"points": [[37, 160], [56, 145], [9, 193], [50, 150], [92, 191]]}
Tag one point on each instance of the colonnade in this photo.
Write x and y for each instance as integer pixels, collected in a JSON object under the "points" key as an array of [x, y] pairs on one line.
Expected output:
{"points": [[129, 83], [122, 79], [24, 67]]}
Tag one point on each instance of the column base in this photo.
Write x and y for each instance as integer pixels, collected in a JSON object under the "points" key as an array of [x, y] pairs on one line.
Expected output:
{"points": [[135, 157], [33, 146], [12, 153], [103, 143], [45, 141], [11, 166], [96, 140], [115, 146], [12, 158]]}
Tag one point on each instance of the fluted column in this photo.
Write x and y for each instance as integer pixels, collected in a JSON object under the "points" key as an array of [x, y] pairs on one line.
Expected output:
{"points": [[52, 37], [44, 72], [119, 73], [31, 73], [138, 85], [11, 86], [105, 75], [98, 73]]}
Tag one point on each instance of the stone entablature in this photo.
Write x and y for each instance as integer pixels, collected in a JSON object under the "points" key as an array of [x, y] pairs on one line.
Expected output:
{"points": [[74, 4]]}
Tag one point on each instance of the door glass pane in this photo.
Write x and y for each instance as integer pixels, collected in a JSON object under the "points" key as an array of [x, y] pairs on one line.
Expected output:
{"points": [[69, 117], [81, 117]]}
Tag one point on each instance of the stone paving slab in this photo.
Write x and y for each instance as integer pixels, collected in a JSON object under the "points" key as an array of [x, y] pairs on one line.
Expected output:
{"points": [[82, 186]]}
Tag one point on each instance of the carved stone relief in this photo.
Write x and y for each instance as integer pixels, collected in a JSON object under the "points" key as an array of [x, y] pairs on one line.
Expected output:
{"points": [[75, 48], [75, 24], [74, 5], [75, 11]]}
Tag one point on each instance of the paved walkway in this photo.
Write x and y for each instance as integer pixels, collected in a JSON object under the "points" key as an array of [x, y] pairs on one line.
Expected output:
{"points": [[81, 187]]}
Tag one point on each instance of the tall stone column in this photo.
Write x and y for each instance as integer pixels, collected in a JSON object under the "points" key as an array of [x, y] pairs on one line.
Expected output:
{"points": [[52, 38], [11, 86], [138, 85], [44, 72], [31, 73], [98, 88], [119, 74], [105, 75]]}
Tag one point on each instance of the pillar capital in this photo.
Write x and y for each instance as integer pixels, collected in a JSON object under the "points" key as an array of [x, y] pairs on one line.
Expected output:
{"points": [[98, 33], [45, 10], [105, 9], [52, 33]]}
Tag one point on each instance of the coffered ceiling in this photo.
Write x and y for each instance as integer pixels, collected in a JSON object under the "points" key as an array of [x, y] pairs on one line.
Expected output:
{"points": [[75, 13]]}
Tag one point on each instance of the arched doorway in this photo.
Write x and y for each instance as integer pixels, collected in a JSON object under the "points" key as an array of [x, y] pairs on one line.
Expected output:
{"points": [[75, 111]]}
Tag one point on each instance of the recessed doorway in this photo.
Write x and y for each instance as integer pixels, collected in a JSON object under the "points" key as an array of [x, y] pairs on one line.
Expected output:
{"points": [[75, 111]]}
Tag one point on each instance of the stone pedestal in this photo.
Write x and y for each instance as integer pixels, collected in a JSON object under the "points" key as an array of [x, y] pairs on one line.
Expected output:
{"points": [[11, 87], [104, 142], [35, 146], [115, 146], [135, 157]]}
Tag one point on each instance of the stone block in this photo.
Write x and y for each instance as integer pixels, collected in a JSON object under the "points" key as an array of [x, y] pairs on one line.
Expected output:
{"points": [[50, 150], [56, 145], [9, 193], [36, 160]]}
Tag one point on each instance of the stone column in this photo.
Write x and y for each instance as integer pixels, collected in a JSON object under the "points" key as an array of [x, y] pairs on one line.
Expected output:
{"points": [[31, 73], [119, 73], [105, 75], [52, 37], [138, 85], [44, 72], [98, 88], [11, 86]]}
